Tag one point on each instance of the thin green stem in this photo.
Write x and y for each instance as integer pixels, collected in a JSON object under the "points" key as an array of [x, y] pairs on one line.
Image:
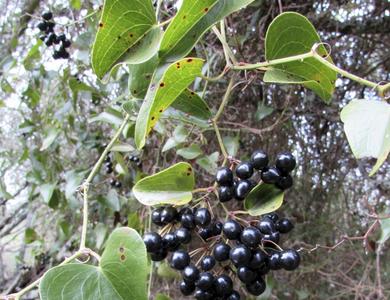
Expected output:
{"points": [[89, 179], [244, 66], [224, 100], [220, 142]]}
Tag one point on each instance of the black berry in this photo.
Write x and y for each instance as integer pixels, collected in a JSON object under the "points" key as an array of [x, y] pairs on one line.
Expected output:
{"points": [[285, 182], [223, 285], [225, 193], [285, 162], [180, 259], [240, 255], [183, 235], [259, 258], [266, 226], [153, 241], [47, 15], [187, 288], [270, 175], [221, 252], [290, 259], [244, 170], [259, 160], [234, 296], [205, 281], [246, 275], [170, 242], [274, 261], [168, 214], [284, 225], [42, 26], [156, 216], [159, 255], [207, 263], [242, 189], [257, 287], [232, 230], [250, 236], [190, 273], [187, 221], [202, 217], [224, 176]]}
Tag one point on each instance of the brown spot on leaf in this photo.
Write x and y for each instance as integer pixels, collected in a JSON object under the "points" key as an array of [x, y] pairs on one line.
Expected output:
{"points": [[188, 174], [101, 25], [161, 110], [131, 35], [184, 17], [189, 60], [162, 84], [123, 257], [206, 9], [192, 93], [189, 170], [153, 118], [135, 92], [121, 249]]}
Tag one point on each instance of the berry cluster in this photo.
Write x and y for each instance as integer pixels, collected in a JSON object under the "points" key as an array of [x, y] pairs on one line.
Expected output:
{"points": [[230, 250], [50, 38], [109, 169], [238, 188]]}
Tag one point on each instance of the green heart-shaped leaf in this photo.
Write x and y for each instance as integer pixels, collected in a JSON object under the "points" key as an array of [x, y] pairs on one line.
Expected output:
{"points": [[167, 84], [292, 34], [367, 126], [193, 105], [121, 275], [170, 186], [123, 24], [263, 199]]}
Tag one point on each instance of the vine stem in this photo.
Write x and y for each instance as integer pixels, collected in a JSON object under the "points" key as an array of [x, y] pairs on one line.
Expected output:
{"points": [[380, 88], [89, 179], [79, 253]]}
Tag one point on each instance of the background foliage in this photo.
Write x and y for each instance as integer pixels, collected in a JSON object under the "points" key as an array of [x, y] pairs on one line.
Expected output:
{"points": [[56, 117]]}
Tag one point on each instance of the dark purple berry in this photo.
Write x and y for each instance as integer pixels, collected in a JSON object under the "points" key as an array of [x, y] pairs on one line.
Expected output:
{"points": [[274, 261], [153, 241], [251, 236], [290, 259], [266, 226], [207, 263], [223, 285], [187, 288], [205, 281], [242, 189], [246, 275], [202, 217], [187, 221], [47, 15], [180, 259], [221, 252], [257, 287], [168, 214], [224, 176], [160, 255], [259, 160], [190, 273], [183, 235], [244, 170], [259, 258], [270, 175], [240, 255], [156, 216], [285, 182], [170, 242], [285, 162], [225, 193], [284, 225], [232, 229], [234, 296]]}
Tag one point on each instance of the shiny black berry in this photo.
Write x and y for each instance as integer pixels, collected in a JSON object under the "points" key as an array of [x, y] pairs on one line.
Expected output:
{"points": [[232, 229], [274, 261], [216, 228], [159, 255], [258, 259], [66, 43], [224, 176], [203, 295], [183, 235], [290, 259], [153, 241], [168, 214], [266, 226], [223, 285], [205, 233], [273, 237], [234, 296], [284, 225], [270, 175], [190, 273], [62, 37], [187, 288], [221, 252], [47, 15], [205, 281], [118, 184], [242, 189], [187, 221], [246, 275], [251, 236], [240, 255], [285, 182], [259, 160], [170, 242], [225, 193], [244, 170], [257, 287], [156, 216], [202, 217], [207, 263], [285, 162], [273, 216], [180, 259], [50, 39]]}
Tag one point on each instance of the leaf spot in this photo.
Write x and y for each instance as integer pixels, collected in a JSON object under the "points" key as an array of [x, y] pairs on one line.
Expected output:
{"points": [[189, 60], [101, 25], [121, 249], [123, 257], [162, 84], [189, 169], [206, 9], [153, 118]]}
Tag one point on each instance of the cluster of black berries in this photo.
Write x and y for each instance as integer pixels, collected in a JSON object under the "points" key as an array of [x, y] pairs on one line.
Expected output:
{"points": [[232, 250], [109, 169], [50, 38], [135, 160], [230, 188]]}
